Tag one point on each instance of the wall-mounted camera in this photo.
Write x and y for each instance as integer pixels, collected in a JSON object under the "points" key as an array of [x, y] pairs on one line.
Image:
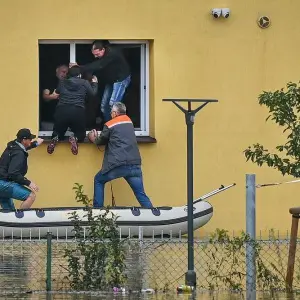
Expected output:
{"points": [[225, 12], [216, 12]]}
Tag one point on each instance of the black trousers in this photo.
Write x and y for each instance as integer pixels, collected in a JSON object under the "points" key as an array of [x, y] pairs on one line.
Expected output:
{"points": [[69, 116]]}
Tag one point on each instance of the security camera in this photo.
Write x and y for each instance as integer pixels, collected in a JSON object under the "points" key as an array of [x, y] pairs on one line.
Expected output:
{"points": [[225, 12], [216, 12]]}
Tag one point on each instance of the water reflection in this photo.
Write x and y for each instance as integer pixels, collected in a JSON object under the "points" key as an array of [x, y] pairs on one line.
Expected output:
{"points": [[198, 296], [23, 269]]}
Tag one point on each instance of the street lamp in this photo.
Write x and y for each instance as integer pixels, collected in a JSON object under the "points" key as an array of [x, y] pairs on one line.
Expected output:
{"points": [[190, 275]]}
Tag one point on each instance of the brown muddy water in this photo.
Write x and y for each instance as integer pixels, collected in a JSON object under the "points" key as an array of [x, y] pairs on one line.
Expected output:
{"points": [[150, 265], [198, 296]]}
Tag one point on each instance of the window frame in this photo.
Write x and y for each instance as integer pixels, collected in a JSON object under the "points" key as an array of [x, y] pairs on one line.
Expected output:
{"points": [[144, 71]]}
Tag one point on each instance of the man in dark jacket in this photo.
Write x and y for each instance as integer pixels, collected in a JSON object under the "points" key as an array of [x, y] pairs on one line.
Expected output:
{"points": [[13, 168], [70, 110], [121, 158], [50, 97], [113, 68]]}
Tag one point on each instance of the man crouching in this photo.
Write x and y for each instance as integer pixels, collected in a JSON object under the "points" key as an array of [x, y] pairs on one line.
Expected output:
{"points": [[13, 168]]}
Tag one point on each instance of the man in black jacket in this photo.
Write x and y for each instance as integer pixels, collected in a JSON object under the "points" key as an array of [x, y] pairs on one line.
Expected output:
{"points": [[13, 168], [121, 158], [50, 97], [70, 110], [114, 70]]}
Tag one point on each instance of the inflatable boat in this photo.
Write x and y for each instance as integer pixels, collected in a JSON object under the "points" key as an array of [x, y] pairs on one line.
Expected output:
{"points": [[131, 221]]}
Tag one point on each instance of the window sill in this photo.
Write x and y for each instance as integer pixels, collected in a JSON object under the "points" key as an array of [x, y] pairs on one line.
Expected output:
{"points": [[140, 140]]}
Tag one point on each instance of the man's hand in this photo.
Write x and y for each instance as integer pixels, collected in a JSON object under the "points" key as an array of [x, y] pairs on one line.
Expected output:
{"points": [[54, 95], [72, 64], [95, 79], [39, 141], [92, 135], [47, 96], [34, 187]]}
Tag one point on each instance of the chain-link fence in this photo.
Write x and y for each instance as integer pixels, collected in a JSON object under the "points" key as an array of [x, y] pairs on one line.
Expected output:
{"points": [[160, 264]]}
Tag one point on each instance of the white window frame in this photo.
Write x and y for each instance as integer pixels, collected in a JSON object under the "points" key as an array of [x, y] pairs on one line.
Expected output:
{"points": [[144, 90]]}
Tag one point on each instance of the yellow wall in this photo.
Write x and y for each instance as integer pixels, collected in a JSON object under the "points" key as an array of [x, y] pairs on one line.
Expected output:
{"points": [[193, 56]]}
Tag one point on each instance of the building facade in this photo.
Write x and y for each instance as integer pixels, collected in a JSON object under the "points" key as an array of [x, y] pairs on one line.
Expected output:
{"points": [[176, 50]]}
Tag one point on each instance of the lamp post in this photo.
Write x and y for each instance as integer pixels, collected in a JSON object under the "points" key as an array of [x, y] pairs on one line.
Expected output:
{"points": [[190, 275]]}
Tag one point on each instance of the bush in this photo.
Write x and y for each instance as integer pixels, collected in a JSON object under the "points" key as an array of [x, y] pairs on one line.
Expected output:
{"points": [[96, 261]]}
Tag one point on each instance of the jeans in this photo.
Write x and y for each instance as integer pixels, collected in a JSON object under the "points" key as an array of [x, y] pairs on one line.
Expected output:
{"points": [[113, 93], [9, 190], [132, 174]]}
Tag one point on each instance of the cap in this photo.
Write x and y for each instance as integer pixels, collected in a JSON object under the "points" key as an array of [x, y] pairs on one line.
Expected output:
{"points": [[25, 133]]}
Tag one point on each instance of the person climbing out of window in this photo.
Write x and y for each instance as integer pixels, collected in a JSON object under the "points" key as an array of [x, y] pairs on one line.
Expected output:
{"points": [[70, 110]]}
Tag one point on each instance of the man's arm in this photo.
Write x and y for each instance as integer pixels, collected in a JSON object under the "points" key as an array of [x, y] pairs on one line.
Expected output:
{"points": [[14, 169], [59, 86], [32, 145], [98, 64], [102, 139], [48, 97], [91, 87], [35, 144]]}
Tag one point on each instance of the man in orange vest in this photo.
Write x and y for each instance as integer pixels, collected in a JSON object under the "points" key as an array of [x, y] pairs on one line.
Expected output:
{"points": [[121, 158]]}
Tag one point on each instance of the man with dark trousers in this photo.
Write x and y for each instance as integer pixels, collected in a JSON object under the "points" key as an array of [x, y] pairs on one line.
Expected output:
{"points": [[121, 158]]}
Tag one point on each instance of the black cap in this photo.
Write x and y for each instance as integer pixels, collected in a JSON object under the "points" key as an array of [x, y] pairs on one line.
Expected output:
{"points": [[25, 133]]}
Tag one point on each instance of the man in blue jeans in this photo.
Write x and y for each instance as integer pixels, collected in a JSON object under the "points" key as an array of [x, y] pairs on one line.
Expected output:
{"points": [[121, 158], [111, 66], [13, 168]]}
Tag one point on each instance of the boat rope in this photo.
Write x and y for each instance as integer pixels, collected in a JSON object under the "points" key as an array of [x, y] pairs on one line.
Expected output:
{"points": [[113, 203], [277, 183]]}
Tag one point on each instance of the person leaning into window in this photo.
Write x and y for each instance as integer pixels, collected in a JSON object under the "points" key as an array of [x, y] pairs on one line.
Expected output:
{"points": [[13, 168], [70, 110], [50, 97], [121, 158], [114, 70]]}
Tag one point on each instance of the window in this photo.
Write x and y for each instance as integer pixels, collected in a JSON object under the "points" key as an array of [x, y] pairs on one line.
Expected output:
{"points": [[53, 53]]}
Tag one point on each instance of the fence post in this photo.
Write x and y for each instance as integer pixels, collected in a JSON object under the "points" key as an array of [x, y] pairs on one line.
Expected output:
{"points": [[49, 260], [250, 230], [295, 212], [142, 258]]}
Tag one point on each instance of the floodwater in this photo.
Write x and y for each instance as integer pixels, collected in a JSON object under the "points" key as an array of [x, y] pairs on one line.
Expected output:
{"points": [[198, 296], [23, 273]]}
